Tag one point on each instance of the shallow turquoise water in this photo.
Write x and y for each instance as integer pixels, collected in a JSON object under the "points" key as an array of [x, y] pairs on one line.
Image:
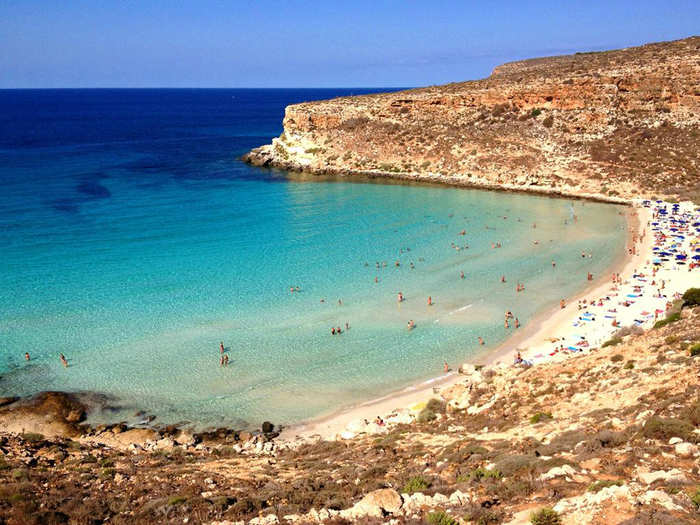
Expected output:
{"points": [[137, 288]]}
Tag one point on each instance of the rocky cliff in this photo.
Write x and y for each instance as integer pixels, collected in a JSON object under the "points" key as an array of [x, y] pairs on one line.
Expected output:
{"points": [[613, 124]]}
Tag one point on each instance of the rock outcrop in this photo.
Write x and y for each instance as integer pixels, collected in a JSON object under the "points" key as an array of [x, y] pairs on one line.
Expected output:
{"points": [[608, 125]]}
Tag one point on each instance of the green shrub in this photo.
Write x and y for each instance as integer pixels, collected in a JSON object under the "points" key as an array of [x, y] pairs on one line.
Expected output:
{"points": [[696, 498], [671, 339], [107, 473], [479, 474], [540, 416], [545, 516], [415, 484], [691, 297], [547, 123], [670, 318], [176, 500], [440, 517], [535, 112], [617, 358], [629, 365], [602, 484], [518, 463], [694, 350], [426, 415], [436, 405], [666, 428], [612, 342], [32, 437]]}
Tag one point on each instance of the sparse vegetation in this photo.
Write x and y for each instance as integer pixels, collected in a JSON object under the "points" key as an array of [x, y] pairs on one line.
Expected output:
{"points": [[611, 342], [691, 297], [666, 428], [616, 358], [32, 437], [602, 484], [415, 484], [545, 516], [670, 318], [440, 517], [540, 416]]}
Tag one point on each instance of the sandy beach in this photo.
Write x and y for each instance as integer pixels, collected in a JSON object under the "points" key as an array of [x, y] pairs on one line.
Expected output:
{"points": [[558, 333]]}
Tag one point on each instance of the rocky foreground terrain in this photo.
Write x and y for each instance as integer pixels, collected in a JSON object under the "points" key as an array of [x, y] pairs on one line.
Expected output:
{"points": [[610, 125], [610, 436]]}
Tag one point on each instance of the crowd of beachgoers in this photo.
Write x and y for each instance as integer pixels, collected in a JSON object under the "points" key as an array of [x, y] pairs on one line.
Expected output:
{"points": [[667, 247]]}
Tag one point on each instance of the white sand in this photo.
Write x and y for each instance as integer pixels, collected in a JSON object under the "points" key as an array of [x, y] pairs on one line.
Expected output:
{"points": [[568, 326]]}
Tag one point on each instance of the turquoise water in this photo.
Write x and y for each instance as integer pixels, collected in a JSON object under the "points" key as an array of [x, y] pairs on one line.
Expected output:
{"points": [[137, 283]]}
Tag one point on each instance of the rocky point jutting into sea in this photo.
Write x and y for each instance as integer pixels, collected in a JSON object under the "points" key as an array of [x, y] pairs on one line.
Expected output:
{"points": [[612, 124]]}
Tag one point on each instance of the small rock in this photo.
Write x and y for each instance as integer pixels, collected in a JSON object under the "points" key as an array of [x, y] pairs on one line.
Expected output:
{"points": [[686, 450], [675, 441]]}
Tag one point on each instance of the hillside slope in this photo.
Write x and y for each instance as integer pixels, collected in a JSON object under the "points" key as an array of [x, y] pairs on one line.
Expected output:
{"points": [[618, 123]]}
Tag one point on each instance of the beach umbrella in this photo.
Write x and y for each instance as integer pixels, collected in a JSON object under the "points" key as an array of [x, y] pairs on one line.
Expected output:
{"points": [[696, 257]]}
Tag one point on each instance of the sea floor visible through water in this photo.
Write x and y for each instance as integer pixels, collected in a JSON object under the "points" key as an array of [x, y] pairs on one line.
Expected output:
{"points": [[134, 241]]}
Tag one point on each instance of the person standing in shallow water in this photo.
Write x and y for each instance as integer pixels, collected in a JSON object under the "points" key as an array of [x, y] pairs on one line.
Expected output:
{"points": [[64, 361], [221, 347]]}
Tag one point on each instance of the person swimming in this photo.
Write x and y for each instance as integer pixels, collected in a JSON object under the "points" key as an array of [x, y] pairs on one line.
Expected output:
{"points": [[26, 356]]}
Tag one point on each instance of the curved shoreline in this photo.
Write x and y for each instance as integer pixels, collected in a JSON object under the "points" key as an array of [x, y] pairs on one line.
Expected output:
{"points": [[543, 323], [412, 393]]}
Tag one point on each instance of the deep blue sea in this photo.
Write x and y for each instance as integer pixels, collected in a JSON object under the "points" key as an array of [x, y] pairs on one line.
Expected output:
{"points": [[134, 240]]}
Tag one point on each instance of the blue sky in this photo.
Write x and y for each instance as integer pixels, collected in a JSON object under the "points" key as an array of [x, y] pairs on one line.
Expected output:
{"points": [[301, 43]]}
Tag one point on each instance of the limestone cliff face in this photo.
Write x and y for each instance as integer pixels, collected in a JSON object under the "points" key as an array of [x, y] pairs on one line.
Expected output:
{"points": [[619, 123]]}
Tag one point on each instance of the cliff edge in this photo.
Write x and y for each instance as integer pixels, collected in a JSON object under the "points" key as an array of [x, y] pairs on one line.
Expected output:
{"points": [[611, 125]]}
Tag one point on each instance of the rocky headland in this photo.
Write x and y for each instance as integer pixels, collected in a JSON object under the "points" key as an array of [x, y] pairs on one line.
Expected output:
{"points": [[607, 125]]}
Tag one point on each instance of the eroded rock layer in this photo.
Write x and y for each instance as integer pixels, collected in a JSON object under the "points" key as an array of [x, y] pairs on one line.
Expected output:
{"points": [[614, 124]]}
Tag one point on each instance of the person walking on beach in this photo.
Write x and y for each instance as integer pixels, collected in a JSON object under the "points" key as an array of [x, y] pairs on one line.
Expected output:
{"points": [[64, 361], [446, 367]]}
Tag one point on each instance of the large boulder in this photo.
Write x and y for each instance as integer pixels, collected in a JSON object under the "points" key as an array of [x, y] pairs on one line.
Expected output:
{"points": [[376, 504]]}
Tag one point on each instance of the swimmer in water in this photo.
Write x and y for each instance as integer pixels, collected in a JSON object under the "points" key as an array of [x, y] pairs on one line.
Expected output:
{"points": [[461, 275], [221, 347], [446, 368], [400, 297], [64, 361], [553, 264], [26, 356], [503, 278], [411, 325]]}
